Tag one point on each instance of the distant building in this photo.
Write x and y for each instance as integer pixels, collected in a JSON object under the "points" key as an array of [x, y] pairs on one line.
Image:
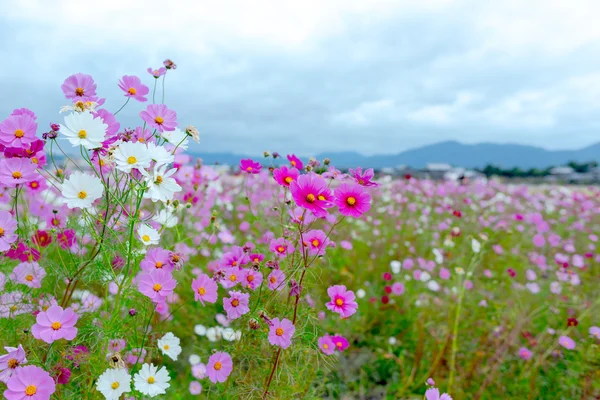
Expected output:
{"points": [[561, 171], [437, 170]]}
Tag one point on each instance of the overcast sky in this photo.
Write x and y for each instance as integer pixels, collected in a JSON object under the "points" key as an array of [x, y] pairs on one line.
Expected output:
{"points": [[306, 76]]}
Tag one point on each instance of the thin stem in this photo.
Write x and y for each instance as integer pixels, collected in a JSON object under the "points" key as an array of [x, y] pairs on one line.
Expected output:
{"points": [[123, 106], [163, 88], [153, 94]]}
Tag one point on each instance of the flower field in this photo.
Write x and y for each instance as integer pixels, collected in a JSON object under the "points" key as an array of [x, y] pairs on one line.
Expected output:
{"points": [[130, 270]]}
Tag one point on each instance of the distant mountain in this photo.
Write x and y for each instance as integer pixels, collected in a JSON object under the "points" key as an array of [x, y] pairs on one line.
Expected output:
{"points": [[451, 152]]}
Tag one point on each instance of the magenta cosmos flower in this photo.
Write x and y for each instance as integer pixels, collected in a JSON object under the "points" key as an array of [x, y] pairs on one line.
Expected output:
{"points": [[281, 247], [249, 166], [157, 285], [219, 367], [17, 171], [284, 175], [341, 343], [525, 353], [79, 87], [310, 192], [434, 394], [295, 161], [352, 199], [18, 131], [133, 87], [276, 280], [54, 324], [29, 274], [566, 342], [8, 227], [363, 178], [236, 305], [342, 301], [326, 345], [205, 289], [159, 117], [281, 332], [157, 73], [30, 382], [10, 362]]}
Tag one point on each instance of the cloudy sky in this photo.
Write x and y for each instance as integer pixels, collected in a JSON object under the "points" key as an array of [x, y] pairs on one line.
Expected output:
{"points": [[371, 76]]}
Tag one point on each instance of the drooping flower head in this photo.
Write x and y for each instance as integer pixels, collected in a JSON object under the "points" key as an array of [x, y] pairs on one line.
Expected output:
{"points": [[79, 87], [30, 382], [219, 367], [284, 175], [160, 117], [54, 324], [352, 200], [310, 191], [133, 87], [249, 166], [281, 332], [342, 301]]}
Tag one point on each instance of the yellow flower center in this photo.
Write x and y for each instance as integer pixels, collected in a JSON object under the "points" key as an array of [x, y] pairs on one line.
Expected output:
{"points": [[281, 249], [82, 195], [157, 287], [150, 379], [249, 169], [158, 265], [279, 332], [351, 200], [315, 242], [146, 238], [234, 263], [1, 232], [34, 184], [325, 346], [17, 175], [288, 179], [339, 344], [272, 279], [293, 163], [232, 278], [79, 91], [310, 198], [166, 347], [321, 197], [201, 291], [159, 180], [159, 120], [30, 390], [131, 160], [56, 325], [235, 302], [13, 363], [339, 302], [132, 91], [250, 278], [82, 134], [29, 277], [19, 133], [115, 385], [218, 366], [34, 160]]}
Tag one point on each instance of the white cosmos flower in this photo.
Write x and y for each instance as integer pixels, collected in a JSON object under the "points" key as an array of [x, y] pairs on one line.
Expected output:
{"points": [[396, 266], [151, 381], [433, 285], [228, 334], [148, 235], [360, 293], [169, 345], [113, 383], [194, 359], [160, 155], [475, 245], [81, 190], [200, 330], [161, 187], [212, 334], [177, 138], [85, 130], [166, 218], [131, 155]]}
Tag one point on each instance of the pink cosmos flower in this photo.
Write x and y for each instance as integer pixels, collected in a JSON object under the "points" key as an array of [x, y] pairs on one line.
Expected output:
{"points": [[160, 117], [116, 345], [284, 175], [341, 343], [17, 171], [157, 285], [30, 382], [398, 288], [525, 353], [310, 191], [54, 324], [219, 367], [281, 247], [276, 280], [281, 332], [352, 200], [363, 179], [434, 394], [251, 279], [231, 277], [195, 388], [29, 274], [326, 345], [249, 166], [157, 258], [299, 216], [79, 87], [235, 258], [566, 342], [316, 241], [342, 301], [133, 87], [110, 120], [9, 362], [8, 227], [18, 131], [295, 161], [205, 289], [157, 73], [236, 305]]}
